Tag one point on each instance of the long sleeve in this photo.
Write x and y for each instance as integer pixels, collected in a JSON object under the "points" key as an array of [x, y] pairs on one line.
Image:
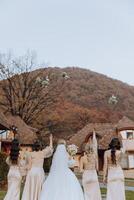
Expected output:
{"points": [[105, 168], [48, 151]]}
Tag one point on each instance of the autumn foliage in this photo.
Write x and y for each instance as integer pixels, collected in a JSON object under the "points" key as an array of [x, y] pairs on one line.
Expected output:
{"points": [[84, 99], [81, 99]]}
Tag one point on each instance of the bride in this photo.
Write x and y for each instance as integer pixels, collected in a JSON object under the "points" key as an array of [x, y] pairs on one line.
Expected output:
{"points": [[61, 183]]}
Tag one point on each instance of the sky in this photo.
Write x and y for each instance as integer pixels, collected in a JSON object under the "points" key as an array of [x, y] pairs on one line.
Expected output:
{"points": [[93, 34]]}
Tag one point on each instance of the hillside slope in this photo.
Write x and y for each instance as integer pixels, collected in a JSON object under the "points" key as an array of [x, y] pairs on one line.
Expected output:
{"points": [[85, 98], [81, 99]]}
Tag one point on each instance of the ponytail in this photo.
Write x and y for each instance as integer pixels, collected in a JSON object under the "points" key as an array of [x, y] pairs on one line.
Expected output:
{"points": [[113, 155]]}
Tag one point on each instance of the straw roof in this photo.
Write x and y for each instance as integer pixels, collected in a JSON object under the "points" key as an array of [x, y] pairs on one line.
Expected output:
{"points": [[106, 130], [26, 134], [4, 125], [124, 123]]}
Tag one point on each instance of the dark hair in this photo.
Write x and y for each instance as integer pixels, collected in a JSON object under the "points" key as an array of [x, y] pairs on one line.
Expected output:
{"points": [[14, 153], [36, 146], [114, 145]]}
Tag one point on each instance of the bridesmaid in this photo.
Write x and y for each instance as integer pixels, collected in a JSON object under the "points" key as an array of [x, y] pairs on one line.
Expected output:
{"points": [[114, 172], [89, 167], [35, 177], [14, 176]]}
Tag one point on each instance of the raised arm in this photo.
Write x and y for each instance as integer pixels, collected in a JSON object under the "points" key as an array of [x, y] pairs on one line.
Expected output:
{"points": [[51, 141], [48, 151]]}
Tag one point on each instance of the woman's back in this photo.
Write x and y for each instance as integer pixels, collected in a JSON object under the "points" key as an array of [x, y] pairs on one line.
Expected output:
{"points": [[37, 157], [14, 176], [11, 164], [109, 158], [113, 173], [89, 161]]}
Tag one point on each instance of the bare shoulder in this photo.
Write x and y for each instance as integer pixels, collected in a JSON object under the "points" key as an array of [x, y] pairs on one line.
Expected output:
{"points": [[82, 158]]}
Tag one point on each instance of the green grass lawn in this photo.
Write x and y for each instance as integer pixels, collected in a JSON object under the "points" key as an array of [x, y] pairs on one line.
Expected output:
{"points": [[2, 194], [129, 194]]}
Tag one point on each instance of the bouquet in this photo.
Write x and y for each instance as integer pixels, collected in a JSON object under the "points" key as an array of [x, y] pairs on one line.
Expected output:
{"points": [[72, 149]]}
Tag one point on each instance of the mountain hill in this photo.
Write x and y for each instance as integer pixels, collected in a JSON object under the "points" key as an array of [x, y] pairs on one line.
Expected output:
{"points": [[85, 98], [81, 99]]}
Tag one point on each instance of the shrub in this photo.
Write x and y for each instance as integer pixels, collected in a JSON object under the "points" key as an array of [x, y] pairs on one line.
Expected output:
{"points": [[3, 167]]}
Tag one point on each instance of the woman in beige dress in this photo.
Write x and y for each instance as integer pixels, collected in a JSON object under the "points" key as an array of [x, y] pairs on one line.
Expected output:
{"points": [[113, 173], [35, 177], [89, 167], [14, 176]]}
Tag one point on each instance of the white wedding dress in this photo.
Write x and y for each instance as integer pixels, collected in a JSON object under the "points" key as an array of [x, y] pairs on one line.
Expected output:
{"points": [[61, 183]]}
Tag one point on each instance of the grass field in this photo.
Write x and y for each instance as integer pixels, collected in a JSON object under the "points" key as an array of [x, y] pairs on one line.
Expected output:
{"points": [[129, 194], [2, 194], [128, 182]]}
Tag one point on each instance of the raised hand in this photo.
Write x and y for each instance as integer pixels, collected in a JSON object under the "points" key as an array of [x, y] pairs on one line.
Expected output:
{"points": [[51, 140]]}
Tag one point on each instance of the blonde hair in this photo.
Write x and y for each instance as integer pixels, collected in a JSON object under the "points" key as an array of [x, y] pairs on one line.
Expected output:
{"points": [[61, 141], [89, 149]]}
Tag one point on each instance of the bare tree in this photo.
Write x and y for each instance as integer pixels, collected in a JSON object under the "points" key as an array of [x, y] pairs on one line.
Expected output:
{"points": [[26, 92]]}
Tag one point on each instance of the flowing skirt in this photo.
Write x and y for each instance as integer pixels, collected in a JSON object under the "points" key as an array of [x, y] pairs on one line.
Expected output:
{"points": [[14, 184], [62, 186], [33, 184], [115, 187], [91, 185]]}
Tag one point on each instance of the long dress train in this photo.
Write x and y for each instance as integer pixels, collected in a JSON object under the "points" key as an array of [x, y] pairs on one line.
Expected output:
{"points": [[61, 183]]}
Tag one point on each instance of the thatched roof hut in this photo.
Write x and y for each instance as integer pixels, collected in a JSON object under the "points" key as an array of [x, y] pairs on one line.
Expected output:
{"points": [[25, 133], [106, 130], [125, 123], [4, 124]]}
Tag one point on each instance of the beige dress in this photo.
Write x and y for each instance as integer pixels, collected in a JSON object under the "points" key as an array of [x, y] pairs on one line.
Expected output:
{"points": [[88, 165], [14, 181], [35, 177], [115, 177]]}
